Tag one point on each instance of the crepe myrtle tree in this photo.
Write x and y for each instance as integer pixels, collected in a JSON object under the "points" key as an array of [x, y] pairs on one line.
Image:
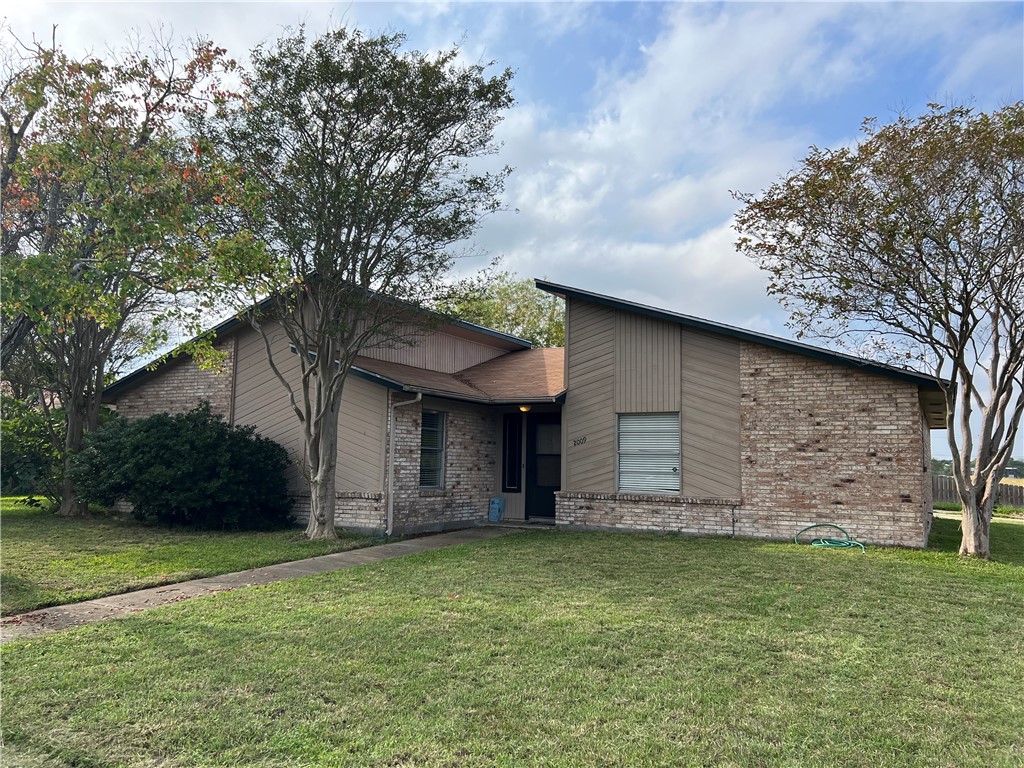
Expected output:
{"points": [[915, 236], [109, 210], [372, 162]]}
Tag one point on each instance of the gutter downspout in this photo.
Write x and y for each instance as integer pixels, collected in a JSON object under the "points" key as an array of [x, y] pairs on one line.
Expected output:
{"points": [[391, 458]]}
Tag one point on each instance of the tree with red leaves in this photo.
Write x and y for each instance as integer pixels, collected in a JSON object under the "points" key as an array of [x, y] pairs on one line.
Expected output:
{"points": [[110, 211]]}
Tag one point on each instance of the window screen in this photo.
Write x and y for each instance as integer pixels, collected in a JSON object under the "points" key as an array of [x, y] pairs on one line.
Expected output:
{"points": [[432, 450], [649, 452]]}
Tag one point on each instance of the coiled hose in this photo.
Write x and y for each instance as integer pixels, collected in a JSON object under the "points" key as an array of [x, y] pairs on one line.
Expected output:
{"points": [[843, 543]]}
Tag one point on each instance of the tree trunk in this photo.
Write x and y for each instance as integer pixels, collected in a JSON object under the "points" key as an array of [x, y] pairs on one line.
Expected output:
{"points": [[70, 506], [13, 338], [977, 518], [321, 506], [323, 461]]}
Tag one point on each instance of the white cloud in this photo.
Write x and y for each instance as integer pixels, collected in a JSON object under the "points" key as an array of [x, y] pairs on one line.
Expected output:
{"points": [[95, 27], [635, 201], [631, 195], [995, 58]]}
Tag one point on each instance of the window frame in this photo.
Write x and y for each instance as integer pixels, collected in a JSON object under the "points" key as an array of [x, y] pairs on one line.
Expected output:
{"points": [[512, 443], [675, 455], [440, 449]]}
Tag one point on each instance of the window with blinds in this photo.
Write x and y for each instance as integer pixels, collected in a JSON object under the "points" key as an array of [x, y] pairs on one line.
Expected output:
{"points": [[649, 453], [432, 450]]}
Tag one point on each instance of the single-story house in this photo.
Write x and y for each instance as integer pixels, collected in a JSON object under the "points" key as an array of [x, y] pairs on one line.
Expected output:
{"points": [[647, 420]]}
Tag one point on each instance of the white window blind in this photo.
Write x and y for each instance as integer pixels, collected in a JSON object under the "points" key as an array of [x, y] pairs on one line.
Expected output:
{"points": [[649, 453], [432, 450]]}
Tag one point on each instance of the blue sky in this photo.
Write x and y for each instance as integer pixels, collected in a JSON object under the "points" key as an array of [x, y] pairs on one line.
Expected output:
{"points": [[634, 121]]}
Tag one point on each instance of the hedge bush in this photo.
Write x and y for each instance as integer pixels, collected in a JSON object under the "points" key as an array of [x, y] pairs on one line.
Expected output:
{"points": [[189, 469], [30, 460]]}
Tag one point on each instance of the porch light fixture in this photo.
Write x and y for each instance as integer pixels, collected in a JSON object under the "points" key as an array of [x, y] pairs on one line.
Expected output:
{"points": [[524, 408]]}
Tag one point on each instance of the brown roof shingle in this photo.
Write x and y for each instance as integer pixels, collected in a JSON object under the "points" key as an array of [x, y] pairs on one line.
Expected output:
{"points": [[531, 373], [419, 379]]}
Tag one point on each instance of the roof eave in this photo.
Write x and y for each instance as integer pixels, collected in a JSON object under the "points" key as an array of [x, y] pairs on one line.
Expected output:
{"points": [[484, 399], [933, 406]]}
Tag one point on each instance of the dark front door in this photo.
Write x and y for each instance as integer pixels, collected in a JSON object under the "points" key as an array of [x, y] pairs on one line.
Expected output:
{"points": [[543, 463]]}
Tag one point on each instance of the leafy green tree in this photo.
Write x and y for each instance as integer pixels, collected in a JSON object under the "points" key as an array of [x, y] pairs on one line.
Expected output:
{"points": [[515, 305], [915, 237], [109, 211], [370, 160]]}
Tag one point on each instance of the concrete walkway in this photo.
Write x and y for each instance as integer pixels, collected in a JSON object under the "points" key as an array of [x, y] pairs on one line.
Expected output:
{"points": [[46, 620]]}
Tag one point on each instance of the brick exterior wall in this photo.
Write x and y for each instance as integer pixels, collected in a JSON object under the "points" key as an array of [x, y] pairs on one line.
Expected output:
{"points": [[471, 454], [471, 451], [820, 443], [354, 510], [697, 517], [181, 386], [823, 443]]}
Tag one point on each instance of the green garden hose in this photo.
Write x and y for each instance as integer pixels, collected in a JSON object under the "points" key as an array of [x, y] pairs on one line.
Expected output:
{"points": [[845, 542]]}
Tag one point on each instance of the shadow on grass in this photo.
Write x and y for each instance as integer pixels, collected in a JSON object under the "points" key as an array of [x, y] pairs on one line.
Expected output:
{"points": [[1007, 539], [18, 590], [49, 560]]}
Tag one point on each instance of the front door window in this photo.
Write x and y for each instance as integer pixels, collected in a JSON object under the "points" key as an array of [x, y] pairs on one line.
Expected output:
{"points": [[543, 463]]}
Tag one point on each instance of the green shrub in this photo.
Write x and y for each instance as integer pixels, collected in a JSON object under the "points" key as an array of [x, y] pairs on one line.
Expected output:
{"points": [[1005, 511], [30, 461], [189, 469]]}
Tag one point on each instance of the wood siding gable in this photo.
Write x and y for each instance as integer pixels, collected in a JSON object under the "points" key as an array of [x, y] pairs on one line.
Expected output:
{"points": [[710, 416], [437, 351], [647, 364], [623, 362], [261, 401], [588, 426]]}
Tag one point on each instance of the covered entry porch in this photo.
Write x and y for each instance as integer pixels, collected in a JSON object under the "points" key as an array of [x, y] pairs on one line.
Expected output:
{"points": [[458, 442], [530, 462]]}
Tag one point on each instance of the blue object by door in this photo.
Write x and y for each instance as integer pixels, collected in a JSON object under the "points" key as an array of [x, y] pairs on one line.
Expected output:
{"points": [[496, 510]]}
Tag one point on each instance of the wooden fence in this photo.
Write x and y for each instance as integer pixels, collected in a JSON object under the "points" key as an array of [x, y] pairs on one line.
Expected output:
{"points": [[944, 491]]}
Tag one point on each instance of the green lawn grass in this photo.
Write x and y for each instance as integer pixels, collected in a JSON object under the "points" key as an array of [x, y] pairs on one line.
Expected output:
{"points": [[555, 649], [46, 560]]}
